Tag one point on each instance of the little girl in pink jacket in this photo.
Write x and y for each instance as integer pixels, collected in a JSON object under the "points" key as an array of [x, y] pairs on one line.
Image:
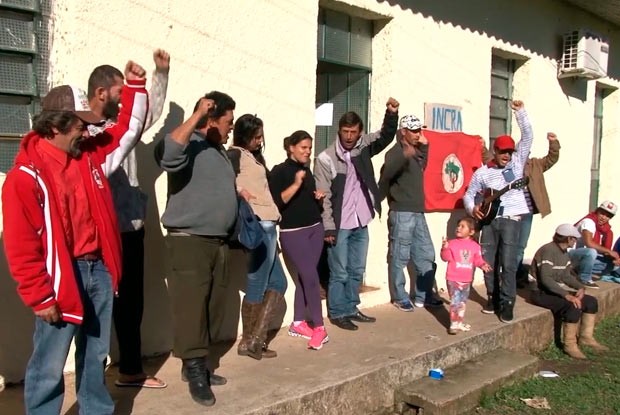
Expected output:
{"points": [[462, 255]]}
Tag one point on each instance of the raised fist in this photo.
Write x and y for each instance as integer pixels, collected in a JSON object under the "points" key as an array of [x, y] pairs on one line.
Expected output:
{"points": [[134, 72], [392, 105], [516, 105], [162, 60], [205, 105]]}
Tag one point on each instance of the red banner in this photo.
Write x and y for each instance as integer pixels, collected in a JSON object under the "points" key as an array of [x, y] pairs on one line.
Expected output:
{"points": [[452, 159]]}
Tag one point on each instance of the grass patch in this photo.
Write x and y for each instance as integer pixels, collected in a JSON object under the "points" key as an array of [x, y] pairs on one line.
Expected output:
{"points": [[584, 387]]}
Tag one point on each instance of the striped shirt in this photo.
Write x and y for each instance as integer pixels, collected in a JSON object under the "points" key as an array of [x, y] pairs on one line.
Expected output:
{"points": [[513, 202]]}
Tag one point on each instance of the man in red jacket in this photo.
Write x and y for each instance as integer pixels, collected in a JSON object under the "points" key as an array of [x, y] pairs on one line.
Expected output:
{"points": [[62, 241]]}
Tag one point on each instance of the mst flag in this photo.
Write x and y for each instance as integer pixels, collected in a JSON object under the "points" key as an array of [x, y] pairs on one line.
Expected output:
{"points": [[452, 159]]}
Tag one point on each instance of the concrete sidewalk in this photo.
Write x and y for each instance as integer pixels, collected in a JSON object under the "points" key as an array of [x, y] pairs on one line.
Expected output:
{"points": [[355, 373]]}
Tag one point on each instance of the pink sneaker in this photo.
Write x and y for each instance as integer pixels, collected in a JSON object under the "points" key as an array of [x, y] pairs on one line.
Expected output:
{"points": [[302, 330], [319, 338]]}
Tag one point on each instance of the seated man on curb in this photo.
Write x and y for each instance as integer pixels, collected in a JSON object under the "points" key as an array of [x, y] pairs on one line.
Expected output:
{"points": [[594, 254], [550, 266]]}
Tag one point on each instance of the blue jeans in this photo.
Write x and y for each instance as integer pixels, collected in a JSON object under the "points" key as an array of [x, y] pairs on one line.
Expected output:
{"points": [[44, 384], [587, 261], [500, 247], [347, 263], [265, 269], [524, 236], [410, 240]]}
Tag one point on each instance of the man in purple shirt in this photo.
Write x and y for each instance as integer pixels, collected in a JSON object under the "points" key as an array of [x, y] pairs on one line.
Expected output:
{"points": [[345, 174]]}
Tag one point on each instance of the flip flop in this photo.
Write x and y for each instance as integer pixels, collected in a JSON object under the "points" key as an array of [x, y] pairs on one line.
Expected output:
{"points": [[149, 382]]}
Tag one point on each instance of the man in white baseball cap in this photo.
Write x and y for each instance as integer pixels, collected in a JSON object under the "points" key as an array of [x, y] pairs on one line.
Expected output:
{"points": [[551, 265], [594, 253], [402, 183]]}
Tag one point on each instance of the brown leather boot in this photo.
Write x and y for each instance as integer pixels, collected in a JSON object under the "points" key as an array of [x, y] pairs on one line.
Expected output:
{"points": [[586, 337], [569, 330], [274, 325], [263, 318], [249, 312]]}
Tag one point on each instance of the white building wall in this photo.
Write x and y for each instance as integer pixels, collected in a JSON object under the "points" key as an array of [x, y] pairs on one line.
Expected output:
{"points": [[263, 53]]}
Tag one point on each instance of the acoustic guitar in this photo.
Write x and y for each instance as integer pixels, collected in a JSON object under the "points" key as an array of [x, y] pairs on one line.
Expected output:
{"points": [[488, 201]]}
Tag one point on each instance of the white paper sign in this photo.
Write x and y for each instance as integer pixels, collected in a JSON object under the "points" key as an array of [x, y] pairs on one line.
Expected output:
{"points": [[324, 114]]}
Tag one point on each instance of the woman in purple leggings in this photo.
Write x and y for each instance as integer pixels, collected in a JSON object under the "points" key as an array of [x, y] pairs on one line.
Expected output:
{"points": [[301, 233]]}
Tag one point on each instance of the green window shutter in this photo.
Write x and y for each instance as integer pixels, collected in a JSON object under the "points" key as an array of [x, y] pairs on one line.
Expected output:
{"points": [[361, 42], [500, 116], [23, 36], [596, 148], [344, 52]]}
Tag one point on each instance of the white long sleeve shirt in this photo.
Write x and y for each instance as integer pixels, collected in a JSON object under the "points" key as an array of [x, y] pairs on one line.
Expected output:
{"points": [[513, 202]]}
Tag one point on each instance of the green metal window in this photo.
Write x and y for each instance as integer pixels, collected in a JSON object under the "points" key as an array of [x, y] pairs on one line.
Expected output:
{"points": [[23, 62], [596, 147], [343, 69], [500, 116]]}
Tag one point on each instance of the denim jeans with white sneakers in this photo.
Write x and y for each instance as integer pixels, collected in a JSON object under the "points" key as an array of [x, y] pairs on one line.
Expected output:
{"points": [[587, 261], [44, 385], [410, 240]]}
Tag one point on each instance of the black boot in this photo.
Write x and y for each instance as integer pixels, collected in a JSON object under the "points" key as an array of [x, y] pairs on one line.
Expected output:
{"points": [[198, 378], [214, 380]]}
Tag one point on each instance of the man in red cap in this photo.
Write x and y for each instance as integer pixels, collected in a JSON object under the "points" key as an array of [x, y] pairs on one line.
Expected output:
{"points": [[62, 241], [501, 235]]}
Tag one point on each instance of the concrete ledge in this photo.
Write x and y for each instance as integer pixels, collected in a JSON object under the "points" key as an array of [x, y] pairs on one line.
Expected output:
{"points": [[371, 390], [355, 373], [464, 385]]}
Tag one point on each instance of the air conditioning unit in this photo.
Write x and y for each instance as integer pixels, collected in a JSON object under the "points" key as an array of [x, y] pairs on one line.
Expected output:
{"points": [[585, 55]]}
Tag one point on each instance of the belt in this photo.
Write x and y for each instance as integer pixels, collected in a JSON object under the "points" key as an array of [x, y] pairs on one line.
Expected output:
{"points": [[172, 232], [178, 233], [89, 257]]}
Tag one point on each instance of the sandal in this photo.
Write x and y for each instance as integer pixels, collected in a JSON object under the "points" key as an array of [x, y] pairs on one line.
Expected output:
{"points": [[148, 382]]}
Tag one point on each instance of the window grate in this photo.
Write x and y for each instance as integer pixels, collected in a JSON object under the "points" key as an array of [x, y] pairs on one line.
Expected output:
{"points": [[344, 51], [31, 5], [17, 75], [500, 115], [8, 150], [17, 35], [15, 115], [24, 68]]}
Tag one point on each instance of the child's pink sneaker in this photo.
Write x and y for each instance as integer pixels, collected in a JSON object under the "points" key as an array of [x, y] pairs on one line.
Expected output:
{"points": [[319, 338], [300, 330]]}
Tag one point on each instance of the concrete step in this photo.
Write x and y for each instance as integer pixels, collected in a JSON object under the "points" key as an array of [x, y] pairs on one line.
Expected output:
{"points": [[463, 386], [357, 372]]}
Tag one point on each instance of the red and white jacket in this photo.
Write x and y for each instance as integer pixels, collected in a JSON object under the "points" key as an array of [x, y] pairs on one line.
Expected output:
{"points": [[36, 250]]}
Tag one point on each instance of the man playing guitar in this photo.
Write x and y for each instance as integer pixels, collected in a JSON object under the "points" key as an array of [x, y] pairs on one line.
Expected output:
{"points": [[502, 233]]}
